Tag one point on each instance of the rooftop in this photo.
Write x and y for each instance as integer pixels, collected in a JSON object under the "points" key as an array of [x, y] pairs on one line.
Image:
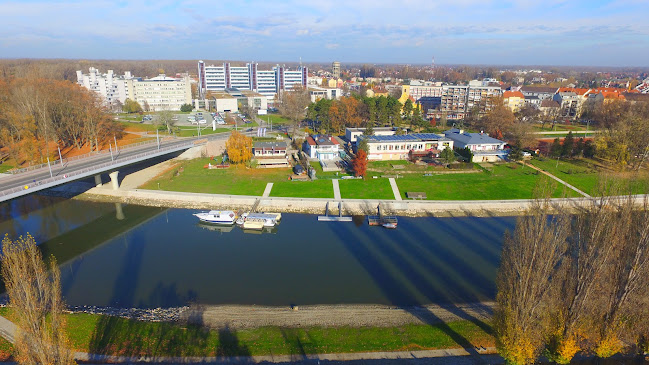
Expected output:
{"points": [[270, 145], [413, 137], [471, 138]]}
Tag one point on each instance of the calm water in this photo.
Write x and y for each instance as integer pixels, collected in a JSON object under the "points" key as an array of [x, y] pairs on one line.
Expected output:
{"points": [[163, 257]]}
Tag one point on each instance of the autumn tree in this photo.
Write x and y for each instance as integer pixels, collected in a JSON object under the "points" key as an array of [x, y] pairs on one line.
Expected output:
{"points": [[359, 163], [239, 147], [530, 261], [35, 296], [498, 121], [131, 106]]}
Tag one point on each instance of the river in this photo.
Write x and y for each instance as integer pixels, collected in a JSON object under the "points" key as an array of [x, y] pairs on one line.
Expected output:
{"points": [[134, 256]]}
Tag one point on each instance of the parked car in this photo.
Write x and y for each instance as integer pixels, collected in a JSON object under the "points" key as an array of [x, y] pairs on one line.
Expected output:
{"points": [[202, 121]]}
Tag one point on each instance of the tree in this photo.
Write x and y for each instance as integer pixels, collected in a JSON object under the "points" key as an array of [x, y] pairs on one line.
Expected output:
{"points": [[166, 119], [293, 104], [530, 262], [131, 106], [363, 145], [407, 109], [239, 147], [35, 296], [447, 155], [146, 106], [556, 149], [359, 163], [186, 108], [498, 121], [568, 145], [369, 130], [515, 154]]}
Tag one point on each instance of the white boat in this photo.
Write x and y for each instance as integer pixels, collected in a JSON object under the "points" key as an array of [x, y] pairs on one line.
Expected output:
{"points": [[278, 216], [217, 216], [254, 223], [269, 220]]}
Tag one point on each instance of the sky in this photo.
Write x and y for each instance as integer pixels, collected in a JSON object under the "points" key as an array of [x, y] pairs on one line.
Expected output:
{"points": [[521, 32]]}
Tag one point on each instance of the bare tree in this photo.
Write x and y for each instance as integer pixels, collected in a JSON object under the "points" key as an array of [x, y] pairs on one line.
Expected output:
{"points": [[35, 295], [530, 261], [293, 104], [166, 118]]}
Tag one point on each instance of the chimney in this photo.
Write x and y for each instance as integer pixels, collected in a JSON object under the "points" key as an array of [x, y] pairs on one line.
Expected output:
{"points": [[481, 132]]}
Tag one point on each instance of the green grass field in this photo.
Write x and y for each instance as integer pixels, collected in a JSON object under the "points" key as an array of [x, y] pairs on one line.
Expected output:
{"points": [[276, 119], [367, 188], [117, 336], [585, 175], [5, 167], [505, 181], [236, 180], [303, 189], [190, 132]]}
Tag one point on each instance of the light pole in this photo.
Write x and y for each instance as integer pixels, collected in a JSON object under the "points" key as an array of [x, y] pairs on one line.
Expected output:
{"points": [[60, 157], [50, 167], [110, 148]]}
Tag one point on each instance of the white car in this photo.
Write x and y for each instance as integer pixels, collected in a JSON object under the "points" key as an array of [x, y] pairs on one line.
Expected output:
{"points": [[202, 121]]}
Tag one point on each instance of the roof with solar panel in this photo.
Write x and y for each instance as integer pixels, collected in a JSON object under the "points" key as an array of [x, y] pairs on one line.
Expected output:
{"points": [[413, 137]]}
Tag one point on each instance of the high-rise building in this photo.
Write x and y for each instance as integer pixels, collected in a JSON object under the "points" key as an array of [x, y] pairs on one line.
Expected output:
{"points": [[335, 69], [249, 77]]}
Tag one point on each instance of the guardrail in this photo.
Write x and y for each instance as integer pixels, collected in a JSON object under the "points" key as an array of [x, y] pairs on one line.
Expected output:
{"points": [[79, 157], [94, 168]]}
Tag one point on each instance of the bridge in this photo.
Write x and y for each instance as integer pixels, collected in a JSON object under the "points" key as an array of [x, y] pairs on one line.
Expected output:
{"points": [[29, 180]]}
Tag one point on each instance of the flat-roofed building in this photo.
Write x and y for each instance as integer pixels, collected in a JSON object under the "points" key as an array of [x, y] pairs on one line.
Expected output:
{"points": [[351, 134], [483, 147], [401, 147], [316, 93], [162, 92]]}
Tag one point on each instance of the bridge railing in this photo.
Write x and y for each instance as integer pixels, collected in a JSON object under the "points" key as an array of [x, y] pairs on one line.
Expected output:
{"points": [[80, 157], [99, 168]]}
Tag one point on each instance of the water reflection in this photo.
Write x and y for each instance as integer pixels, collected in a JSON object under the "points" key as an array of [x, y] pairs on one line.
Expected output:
{"points": [[172, 260]]}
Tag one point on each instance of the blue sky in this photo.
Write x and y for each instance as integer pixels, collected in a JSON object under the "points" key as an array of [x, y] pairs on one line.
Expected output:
{"points": [[527, 32]]}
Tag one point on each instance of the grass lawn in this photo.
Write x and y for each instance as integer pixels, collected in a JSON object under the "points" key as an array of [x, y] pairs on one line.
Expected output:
{"points": [[559, 127], [5, 167], [304, 189], [328, 174], [505, 181], [367, 188], [138, 127], [190, 132], [236, 180], [276, 119], [117, 336], [585, 175]]}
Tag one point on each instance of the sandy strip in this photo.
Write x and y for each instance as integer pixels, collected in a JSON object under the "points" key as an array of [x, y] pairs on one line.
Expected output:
{"points": [[237, 317]]}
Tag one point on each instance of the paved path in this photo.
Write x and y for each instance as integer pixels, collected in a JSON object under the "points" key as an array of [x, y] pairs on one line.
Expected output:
{"points": [[395, 189], [336, 190], [269, 187], [557, 179]]}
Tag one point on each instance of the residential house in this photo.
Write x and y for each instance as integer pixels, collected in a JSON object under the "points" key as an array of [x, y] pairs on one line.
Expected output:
{"points": [[270, 154], [321, 147], [514, 100]]}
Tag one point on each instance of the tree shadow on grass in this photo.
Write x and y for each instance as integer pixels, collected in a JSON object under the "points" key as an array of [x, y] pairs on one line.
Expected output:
{"points": [[127, 337], [229, 345]]}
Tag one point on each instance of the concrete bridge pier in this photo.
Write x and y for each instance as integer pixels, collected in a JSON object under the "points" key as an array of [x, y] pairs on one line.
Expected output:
{"points": [[119, 213], [113, 179], [98, 180]]}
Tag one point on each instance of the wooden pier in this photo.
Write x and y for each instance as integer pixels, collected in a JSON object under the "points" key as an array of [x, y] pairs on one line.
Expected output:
{"points": [[333, 218], [388, 221]]}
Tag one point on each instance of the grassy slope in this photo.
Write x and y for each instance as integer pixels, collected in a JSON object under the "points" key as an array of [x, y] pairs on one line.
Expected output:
{"points": [[117, 336], [506, 181], [303, 189], [583, 174]]}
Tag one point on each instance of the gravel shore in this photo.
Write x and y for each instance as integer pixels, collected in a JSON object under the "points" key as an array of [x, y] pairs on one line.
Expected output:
{"points": [[238, 317]]}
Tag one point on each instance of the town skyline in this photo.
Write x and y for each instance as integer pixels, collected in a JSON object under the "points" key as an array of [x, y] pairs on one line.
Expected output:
{"points": [[530, 33]]}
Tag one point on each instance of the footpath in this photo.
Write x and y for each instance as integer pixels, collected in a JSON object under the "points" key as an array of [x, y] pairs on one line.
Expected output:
{"points": [[557, 179]]}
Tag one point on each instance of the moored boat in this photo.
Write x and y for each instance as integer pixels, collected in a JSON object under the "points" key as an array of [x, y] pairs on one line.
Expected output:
{"points": [[254, 223], [217, 216]]}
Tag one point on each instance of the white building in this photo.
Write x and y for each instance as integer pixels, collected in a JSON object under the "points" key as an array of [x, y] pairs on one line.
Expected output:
{"points": [[322, 147], [316, 93], [483, 147], [162, 92], [402, 147], [112, 88], [351, 134], [159, 93], [249, 77]]}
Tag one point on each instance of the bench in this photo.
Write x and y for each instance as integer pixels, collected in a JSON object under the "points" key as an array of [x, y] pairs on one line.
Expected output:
{"points": [[416, 195]]}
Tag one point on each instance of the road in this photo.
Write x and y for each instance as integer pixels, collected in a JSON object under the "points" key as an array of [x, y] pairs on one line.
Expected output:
{"points": [[72, 167]]}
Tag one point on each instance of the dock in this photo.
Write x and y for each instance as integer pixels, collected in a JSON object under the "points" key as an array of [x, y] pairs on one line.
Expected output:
{"points": [[333, 218], [380, 219]]}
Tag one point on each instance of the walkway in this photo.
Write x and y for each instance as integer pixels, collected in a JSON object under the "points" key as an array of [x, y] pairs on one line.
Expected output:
{"points": [[395, 189], [269, 187], [336, 190], [557, 179]]}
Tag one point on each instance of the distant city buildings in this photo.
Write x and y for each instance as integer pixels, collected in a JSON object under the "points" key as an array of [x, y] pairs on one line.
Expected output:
{"points": [[157, 93], [335, 69], [249, 77]]}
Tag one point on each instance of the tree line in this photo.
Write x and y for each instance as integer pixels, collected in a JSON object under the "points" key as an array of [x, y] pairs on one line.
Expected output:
{"points": [[571, 283], [37, 115]]}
